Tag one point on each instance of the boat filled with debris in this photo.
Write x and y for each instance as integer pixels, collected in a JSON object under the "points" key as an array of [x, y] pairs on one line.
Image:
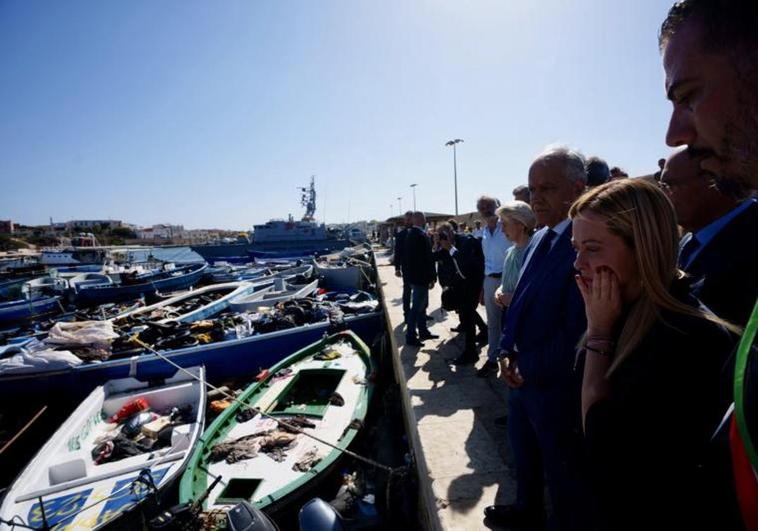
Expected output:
{"points": [[286, 429], [125, 433]]}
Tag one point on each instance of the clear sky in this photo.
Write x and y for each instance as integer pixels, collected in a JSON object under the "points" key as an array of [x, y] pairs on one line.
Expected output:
{"points": [[210, 114]]}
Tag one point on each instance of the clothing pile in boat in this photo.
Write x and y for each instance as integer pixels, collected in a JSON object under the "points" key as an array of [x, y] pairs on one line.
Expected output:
{"points": [[138, 430], [173, 310], [359, 302], [274, 443], [266, 436], [102, 312], [102, 340], [88, 340]]}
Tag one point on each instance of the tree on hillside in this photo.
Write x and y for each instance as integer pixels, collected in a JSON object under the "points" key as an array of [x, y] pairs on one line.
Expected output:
{"points": [[124, 233]]}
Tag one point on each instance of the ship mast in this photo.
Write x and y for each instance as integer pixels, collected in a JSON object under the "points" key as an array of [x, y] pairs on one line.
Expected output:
{"points": [[308, 200]]}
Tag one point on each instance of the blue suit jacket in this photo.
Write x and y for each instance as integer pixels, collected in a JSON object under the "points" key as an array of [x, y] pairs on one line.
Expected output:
{"points": [[546, 317], [724, 274]]}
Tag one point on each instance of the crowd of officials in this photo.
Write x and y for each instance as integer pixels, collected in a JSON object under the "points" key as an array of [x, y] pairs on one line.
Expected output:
{"points": [[613, 306]]}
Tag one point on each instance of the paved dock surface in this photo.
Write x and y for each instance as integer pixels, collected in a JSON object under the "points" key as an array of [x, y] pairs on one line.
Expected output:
{"points": [[463, 461]]}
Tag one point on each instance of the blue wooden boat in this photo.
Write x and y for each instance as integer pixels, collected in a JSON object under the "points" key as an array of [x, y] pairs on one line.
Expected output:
{"points": [[223, 294], [290, 253], [222, 360], [177, 279], [226, 272], [21, 310]]}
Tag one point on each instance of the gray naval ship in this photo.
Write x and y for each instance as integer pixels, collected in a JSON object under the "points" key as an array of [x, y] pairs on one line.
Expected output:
{"points": [[279, 238]]}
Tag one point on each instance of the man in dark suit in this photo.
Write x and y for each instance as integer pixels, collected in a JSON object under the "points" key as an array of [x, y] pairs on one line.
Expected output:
{"points": [[719, 251], [544, 323], [419, 273], [710, 49], [398, 261], [461, 267]]}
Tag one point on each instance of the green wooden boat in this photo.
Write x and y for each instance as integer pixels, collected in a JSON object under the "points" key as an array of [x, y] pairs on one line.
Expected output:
{"points": [[326, 386]]}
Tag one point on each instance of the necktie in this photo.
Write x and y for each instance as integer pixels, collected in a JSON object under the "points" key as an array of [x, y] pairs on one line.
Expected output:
{"points": [[687, 250]]}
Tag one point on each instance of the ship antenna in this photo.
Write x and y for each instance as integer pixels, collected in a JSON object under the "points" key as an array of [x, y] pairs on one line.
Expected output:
{"points": [[308, 200]]}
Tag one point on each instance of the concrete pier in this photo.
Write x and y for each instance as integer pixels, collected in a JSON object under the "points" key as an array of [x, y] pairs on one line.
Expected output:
{"points": [[462, 456]]}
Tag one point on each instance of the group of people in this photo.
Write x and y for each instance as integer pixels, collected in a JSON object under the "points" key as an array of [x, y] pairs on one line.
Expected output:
{"points": [[614, 306]]}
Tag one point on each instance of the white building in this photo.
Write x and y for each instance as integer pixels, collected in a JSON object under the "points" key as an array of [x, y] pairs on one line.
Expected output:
{"points": [[161, 231], [92, 223]]}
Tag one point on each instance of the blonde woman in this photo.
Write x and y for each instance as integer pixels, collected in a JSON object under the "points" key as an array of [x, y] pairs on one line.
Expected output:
{"points": [[653, 356], [518, 223]]}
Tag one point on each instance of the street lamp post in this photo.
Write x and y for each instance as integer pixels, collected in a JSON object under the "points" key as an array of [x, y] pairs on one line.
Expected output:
{"points": [[455, 169], [399, 206], [413, 187]]}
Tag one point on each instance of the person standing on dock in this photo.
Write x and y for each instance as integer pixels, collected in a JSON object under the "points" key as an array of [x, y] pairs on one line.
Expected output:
{"points": [[494, 246], [543, 325], [719, 250], [419, 273], [461, 269], [398, 261], [710, 57]]}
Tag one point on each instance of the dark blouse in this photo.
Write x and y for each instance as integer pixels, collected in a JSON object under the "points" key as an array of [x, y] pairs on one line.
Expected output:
{"points": [[650, 462]]}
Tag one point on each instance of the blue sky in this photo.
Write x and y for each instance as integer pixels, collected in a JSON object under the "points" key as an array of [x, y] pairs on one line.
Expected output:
{"points": [[210, 114]]}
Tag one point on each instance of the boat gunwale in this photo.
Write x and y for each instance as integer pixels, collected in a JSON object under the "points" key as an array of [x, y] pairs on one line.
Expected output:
{"points": [[174, 353]]}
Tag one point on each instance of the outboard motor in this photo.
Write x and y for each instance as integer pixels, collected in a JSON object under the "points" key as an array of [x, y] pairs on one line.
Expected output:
{"points": [[317, 515], [247, 517]]}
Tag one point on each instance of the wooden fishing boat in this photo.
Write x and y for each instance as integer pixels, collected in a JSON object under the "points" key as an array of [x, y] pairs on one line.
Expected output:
{"points": [[74, 483], [97, 290], [325, 388], [222, 360], [281, 292], [198, 304], [21, 310], [303, 271]]}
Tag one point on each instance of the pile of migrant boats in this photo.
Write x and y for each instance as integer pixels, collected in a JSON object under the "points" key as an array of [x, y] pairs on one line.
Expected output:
{"points": [[141, 373], [228, 327], [53, 292]]}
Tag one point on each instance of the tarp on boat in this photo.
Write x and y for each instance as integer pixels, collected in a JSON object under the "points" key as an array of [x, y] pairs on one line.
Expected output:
{"points": [[81, 333], [34, 356]]}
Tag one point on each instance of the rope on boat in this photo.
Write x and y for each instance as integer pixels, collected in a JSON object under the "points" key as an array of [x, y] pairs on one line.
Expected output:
{"points": [[296, 429]]}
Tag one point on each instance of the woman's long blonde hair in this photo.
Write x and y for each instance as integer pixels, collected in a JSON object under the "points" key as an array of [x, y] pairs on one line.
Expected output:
{"points": [[642, 215]]}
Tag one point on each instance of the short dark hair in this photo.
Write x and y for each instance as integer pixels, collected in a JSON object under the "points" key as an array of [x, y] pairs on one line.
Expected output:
{"points": [[597, 171], [408, 213], [453, 224], [618, 171], [727, 24]]}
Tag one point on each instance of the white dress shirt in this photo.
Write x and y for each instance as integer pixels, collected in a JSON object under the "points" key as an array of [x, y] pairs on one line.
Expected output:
{"points": [[494, 245]]}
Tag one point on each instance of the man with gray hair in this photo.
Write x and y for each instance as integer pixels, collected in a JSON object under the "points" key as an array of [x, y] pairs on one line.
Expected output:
{"points": [[543, 325], [521, 193], [494, 245]]}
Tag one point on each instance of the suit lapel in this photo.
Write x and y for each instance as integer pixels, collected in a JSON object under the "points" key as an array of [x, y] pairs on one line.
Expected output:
{"points": [[726, 239], [556, 258]]}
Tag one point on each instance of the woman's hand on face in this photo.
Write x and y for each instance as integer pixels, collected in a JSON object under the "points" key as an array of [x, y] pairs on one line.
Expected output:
{"points": [[602, 302]]}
